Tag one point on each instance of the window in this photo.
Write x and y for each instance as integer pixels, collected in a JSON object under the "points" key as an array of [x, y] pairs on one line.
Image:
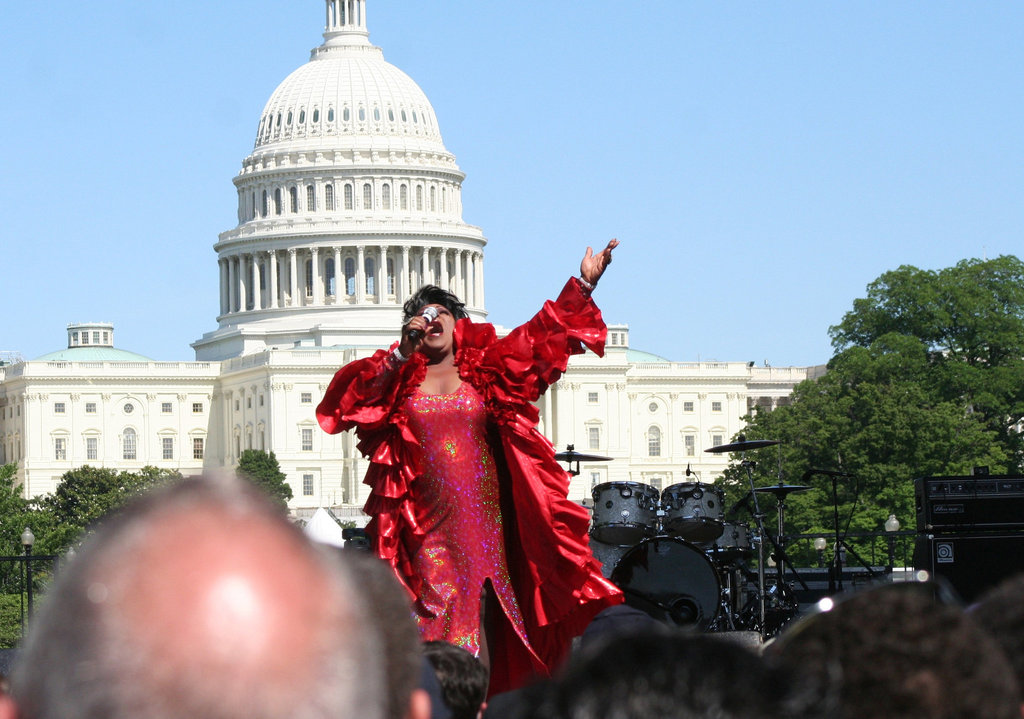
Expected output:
{"points": [[167, 446], [716, 406], [91, 448], [129, 408], [367, 196], [433, 199], [348, 196], [307, 485], [306, 398], [592, 397], [595, 479], [60, 448], [266, 204], [654, 442], [197, 448], [277, 201], [329, 197], [369, 269], [652, 407], [293, 199], [689, 444], [90, 408], [716, 440], [85, 338], [59, 407], [419, 197], [391, 276], [128, 443], [594, 437], [310, 198], [350, 276], [248, 402], [403, 197], [165, 407], [688, 406], [307, 439], [197, 408], [385, 196]]}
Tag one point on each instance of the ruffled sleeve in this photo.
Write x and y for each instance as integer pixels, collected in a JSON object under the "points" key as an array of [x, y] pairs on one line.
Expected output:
{"points": [[369, 394]]}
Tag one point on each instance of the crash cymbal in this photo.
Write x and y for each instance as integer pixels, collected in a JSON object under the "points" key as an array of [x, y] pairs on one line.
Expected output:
{"points": [[781, 490], [572, 456], [743, 445]]}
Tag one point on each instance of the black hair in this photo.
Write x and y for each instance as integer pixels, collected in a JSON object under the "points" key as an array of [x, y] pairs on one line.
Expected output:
{"points": [[433, 295]]}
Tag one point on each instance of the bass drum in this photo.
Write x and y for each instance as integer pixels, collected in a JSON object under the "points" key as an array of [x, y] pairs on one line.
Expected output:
{"points": [[693, 511], [624, 512], [672, 580]]}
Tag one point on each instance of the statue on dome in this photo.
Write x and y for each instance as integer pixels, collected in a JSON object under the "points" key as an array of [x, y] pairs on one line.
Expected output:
{"points": [[468, 504]]}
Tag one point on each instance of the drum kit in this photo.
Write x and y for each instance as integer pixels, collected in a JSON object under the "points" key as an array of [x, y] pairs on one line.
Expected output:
{"points": [[683, 558]]}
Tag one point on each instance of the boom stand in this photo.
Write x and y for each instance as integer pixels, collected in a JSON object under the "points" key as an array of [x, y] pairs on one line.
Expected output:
{"points": [[835, 571], [761, 534]]}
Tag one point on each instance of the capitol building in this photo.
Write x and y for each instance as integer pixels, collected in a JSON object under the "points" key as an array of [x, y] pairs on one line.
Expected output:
{"points": [[348, 202]]}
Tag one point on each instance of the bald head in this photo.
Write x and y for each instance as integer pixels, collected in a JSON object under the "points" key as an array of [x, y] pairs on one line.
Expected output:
{"points": [[200, 600]]}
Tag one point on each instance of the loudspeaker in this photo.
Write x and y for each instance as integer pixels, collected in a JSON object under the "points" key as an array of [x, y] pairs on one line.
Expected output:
{"points": [[972, 563]]}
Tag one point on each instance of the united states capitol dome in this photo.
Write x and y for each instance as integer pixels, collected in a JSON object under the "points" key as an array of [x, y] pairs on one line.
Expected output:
{"points": [[349, 92]]}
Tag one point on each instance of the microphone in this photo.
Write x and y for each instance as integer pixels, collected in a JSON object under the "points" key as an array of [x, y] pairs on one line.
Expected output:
{"points": [[429, 314], [826, 472], [688, 472]]}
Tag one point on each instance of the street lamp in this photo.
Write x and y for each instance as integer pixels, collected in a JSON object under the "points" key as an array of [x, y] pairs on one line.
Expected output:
{"points": [[27, 540], [892, 525], [819, 546]]}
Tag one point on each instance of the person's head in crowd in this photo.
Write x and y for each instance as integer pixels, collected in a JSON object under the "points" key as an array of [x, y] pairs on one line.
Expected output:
{"points": [[389, 607], [200, 599], [1000, 611], [463, 678], [669, 673], [895, 652]]}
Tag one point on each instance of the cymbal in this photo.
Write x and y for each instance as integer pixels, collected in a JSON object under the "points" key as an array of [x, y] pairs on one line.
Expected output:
{"points": [[743, 445], [781, 490], [572, 456]]}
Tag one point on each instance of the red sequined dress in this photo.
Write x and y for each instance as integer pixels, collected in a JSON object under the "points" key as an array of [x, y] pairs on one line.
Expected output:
{"points": [[498, 512]]}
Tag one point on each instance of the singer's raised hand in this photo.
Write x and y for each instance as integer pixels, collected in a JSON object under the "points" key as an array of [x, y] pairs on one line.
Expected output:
{"points": [[412, 335], [593, 266]]}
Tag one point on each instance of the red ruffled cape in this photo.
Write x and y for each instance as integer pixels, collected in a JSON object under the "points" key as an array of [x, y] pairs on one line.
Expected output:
{"points": [[558, 583]]}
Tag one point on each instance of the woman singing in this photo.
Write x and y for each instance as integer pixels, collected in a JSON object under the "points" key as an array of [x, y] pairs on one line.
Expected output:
{"points": [[467, 502]]}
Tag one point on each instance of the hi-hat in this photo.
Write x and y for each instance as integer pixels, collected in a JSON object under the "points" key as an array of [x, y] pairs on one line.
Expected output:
{"points": [[573, 456], [743, 445]]}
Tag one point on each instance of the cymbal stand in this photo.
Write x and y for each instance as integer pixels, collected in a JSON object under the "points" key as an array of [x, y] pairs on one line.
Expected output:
{"points": [[759, 520], [835, 570], [779, 544]]}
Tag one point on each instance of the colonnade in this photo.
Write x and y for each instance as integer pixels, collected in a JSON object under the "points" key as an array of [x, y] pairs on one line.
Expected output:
{"points": [[318, 276]]}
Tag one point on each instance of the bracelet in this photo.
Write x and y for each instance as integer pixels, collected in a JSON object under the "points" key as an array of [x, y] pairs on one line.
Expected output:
{"points": [[399, 357], [590, 287]]}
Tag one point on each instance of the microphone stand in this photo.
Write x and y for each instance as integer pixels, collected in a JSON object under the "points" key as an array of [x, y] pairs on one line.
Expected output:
{"points": [[761, 533], [835, 570]]}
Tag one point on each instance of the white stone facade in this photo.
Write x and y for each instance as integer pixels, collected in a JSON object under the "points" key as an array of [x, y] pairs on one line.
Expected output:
{"points": [[348, 202]]}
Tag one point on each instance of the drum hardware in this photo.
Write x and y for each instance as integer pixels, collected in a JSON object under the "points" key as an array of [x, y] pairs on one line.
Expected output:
{"points": [[624, 512], [570, 455], [693, 511], [781, 491]]}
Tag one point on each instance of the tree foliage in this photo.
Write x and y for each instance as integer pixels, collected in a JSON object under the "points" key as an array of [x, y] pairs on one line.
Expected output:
{"points": [[262, 469], [928, 379]]}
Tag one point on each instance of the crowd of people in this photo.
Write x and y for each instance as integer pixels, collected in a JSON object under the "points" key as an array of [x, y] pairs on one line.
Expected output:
{"points": [[201, 599]]}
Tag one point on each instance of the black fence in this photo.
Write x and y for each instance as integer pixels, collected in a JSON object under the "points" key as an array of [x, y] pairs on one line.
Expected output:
{"points": [[23, 580]]}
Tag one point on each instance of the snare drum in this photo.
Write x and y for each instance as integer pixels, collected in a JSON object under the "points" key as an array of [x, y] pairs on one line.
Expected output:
{"points": [[671, 580], [693, 511], [624, 512]]}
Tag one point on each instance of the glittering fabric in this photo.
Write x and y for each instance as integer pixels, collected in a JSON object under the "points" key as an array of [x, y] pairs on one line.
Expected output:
{"points": [[457, 503], [558, 584]]}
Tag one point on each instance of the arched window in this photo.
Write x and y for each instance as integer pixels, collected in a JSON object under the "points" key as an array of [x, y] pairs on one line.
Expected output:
{"points": [[316, 114], [391, 276], [277, 201], [403, 197], [309, 277], [362, 114], [345, 114], [369, 269], [348, 196], [419, 197], [331, 282], [252, 207], [266, 204], [128, 444], [385, 196], [293, 198], [350, 276], [444, 199], [310, 198], [367, 196], [433, 198], [329, 197], [654, 441], [330, 114]]}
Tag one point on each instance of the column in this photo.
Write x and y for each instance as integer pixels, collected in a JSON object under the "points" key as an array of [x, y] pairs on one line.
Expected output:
{"points": [[339, 277], [403, 285], [272, 269], [382, 275], [225, 287], [318, 286], [232, 285], [480, 280], [291, 277], [360, 275], [424, 266], [257, 298], [443, 280], [460, 288]]}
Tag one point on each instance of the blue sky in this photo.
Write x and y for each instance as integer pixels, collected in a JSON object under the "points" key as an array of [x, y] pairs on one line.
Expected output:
{"points": [[761, 163]]}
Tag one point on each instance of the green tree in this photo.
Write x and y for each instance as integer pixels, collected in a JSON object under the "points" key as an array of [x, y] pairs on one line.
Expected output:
{"points": [[262, 469], [85, 495]]}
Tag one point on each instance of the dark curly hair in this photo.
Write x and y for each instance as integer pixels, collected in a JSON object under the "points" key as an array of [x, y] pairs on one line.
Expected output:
{"points": [[433, 295]]}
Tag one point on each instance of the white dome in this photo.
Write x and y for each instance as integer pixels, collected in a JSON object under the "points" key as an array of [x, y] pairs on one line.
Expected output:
{"points": [[349, 92]]}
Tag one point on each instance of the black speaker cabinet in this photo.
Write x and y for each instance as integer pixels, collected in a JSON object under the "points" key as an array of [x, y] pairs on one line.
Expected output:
{"points": [[972, 563]]}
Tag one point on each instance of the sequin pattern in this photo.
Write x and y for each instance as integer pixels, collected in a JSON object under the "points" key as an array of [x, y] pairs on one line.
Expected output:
{"points": [[457, 501]]}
